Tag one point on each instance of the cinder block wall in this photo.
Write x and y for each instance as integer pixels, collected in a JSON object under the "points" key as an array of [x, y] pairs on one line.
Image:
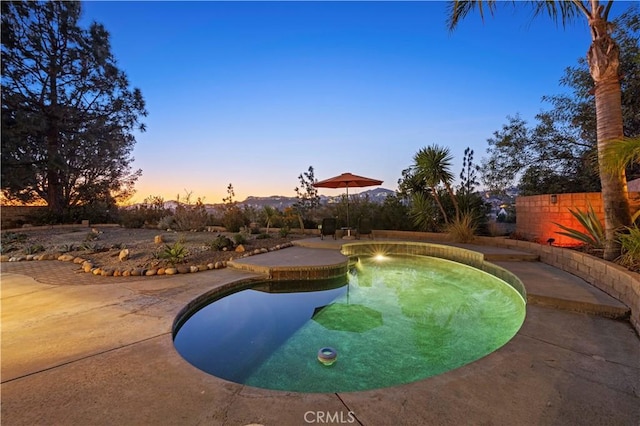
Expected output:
{"points": [[537, 214]]}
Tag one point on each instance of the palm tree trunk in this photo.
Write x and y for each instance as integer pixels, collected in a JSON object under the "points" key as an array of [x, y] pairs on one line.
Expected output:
{"points": [[603, 58], [434, 191]]}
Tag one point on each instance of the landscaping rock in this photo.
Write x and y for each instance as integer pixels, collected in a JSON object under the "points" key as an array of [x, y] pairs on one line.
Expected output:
{"points": [[240, 249], [66, 258], [124, 255], [158, 239], [170, 271]]}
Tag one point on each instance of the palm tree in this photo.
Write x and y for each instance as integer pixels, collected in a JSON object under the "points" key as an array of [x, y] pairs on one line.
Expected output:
{"points": [[432, 165], [269, 214], [603, 59]]}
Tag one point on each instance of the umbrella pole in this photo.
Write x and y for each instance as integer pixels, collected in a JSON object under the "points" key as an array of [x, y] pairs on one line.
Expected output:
{"points": [[347, 205]]}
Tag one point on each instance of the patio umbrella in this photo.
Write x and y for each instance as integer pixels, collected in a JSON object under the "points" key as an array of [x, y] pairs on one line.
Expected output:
{"points": [[347, 180]]}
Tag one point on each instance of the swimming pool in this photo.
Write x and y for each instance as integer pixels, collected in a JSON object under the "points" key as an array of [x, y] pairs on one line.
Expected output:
{"points": [[396, 320]]}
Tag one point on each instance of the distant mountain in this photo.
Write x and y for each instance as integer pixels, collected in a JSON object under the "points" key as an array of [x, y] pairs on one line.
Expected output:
{"points": [[377, 195], [280, 202]]}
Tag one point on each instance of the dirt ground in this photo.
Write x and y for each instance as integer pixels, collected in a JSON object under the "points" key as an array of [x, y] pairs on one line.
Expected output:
{"points": [[102, 245]]}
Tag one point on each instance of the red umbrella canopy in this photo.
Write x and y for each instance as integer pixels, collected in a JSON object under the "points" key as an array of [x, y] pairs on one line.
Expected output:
{"points": [[347, 180]]}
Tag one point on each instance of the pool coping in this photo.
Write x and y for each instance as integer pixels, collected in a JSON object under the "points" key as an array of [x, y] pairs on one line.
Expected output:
{"points": [[119, 366]]}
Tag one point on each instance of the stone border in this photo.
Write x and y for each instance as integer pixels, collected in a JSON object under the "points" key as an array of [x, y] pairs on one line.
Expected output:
{"points": [[88, 266]]}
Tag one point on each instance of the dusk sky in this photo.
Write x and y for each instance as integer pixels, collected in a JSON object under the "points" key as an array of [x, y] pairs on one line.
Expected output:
{"points": [[253, 93]]}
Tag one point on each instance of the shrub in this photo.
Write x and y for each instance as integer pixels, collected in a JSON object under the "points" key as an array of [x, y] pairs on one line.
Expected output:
{"points": [[262, 236], [233, 219], [630, 242], [146, 214], [462, 230], [166, 222], [221, 242], [239, 238], [133, 217], [190, 217], [284, 231]]}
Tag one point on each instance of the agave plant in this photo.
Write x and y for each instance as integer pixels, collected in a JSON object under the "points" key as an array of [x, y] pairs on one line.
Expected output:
{"points": [[174, 254], [594, 235]]}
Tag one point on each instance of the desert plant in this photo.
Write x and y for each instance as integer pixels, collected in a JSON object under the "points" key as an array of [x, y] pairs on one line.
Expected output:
{"points": [[263, 236], [630, 242], [462, 230], [166, 222], [221, 242], [594, 236], [190, 217], [92, 247], [240, 238], [91, 236], [12, 237], [175, 253], [65, 248], [284, 231], [233, 219], [7, 248], [37, 248]]}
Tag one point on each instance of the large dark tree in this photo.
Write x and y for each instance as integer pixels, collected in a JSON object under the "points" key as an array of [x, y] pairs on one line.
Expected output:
{"points": [[68, 114]]}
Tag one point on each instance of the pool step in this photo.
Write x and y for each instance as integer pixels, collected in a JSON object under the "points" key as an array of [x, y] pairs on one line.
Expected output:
{"points": [[554, 288], [299, 263]]}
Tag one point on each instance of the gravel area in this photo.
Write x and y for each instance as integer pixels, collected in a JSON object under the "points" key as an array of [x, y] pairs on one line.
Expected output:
{"points": [[102, 246]]}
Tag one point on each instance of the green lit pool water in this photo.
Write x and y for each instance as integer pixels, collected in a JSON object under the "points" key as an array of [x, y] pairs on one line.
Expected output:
{"points": [[398, 320]]}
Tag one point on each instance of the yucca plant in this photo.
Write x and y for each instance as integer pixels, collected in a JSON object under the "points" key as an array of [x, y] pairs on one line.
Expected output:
{"points": [[593, 237]]}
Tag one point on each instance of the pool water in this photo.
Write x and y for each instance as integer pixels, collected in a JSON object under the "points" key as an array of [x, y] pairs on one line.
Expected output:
{"points": [[397, 320]]}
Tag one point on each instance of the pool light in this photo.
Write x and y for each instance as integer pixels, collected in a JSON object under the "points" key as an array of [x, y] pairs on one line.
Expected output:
{"points": [[327, 355]]}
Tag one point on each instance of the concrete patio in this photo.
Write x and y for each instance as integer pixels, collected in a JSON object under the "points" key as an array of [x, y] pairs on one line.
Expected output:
{"points": [[79, 349]]}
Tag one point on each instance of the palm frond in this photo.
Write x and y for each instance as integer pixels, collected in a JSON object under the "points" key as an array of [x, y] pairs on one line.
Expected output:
{"points": [[619, 154]]}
